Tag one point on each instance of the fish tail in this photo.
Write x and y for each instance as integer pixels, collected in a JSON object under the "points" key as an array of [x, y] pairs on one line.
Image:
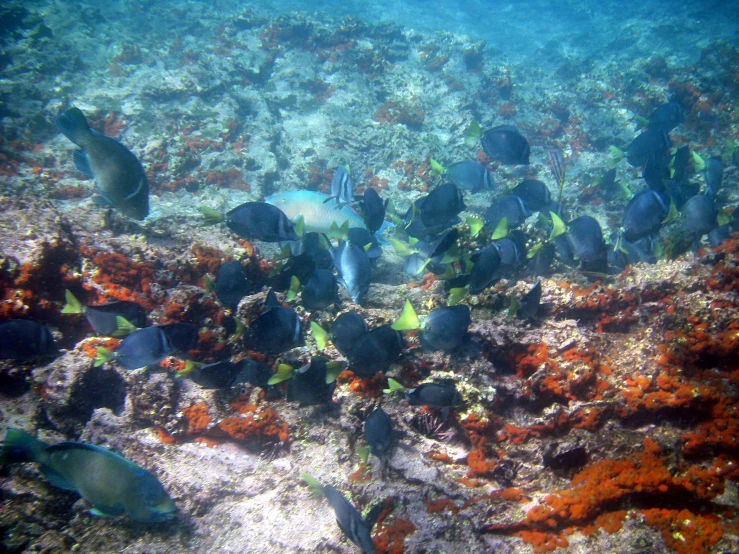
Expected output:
{"points": [[73, 125], [72, 306], [19, 447]]}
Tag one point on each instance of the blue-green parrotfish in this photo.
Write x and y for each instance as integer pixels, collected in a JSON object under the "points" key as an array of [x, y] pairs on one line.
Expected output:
{"points": [[112, 484]]}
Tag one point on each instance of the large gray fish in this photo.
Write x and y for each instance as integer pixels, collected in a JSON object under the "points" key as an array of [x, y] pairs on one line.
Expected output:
{"points": [[121, 180], [112, 484]]}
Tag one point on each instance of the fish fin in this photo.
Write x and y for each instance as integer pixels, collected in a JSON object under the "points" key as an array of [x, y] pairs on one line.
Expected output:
{"points": [[56, 479], [319, 334], [722, 218], [211, 216], [332, 370], [238, 332], [73, 125], [284, 372], [626, 193], [294, 289], [672, 213], [190, 366], [20, 447], [456, 295], [501, 230], [436, 167], [102, 200], [475, 223], [402, 248], [472, 132], [316, 489], [367, 246], [103, 355], [73, 306], [616, 154], [270, 302], [513, 308], [449, 273], [393, 386], [106, 511], [699, 163], [408, 319], [209, 285], [558, 226], [299, 226], [123, 327], [82, 163], [534, 250], [363, 452]]}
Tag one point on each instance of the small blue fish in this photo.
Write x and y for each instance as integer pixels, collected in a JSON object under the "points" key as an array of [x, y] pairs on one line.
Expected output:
{"points": [[506, 145], [25, 340], [379, 433]]}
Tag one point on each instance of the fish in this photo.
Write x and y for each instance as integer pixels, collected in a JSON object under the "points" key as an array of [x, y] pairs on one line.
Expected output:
{"points": [[342, 187], [276, 329], [112, 484], [667, 116], [309, 385], [25, 340], [506, 145], [470, 175], [512, 250], [435, 395], [320, 290], [442, 204], [530, 302], [485, 268], [656, 171], [700, 215], [679, 164], [103, 317], [645, 144], [350, 520], [714, 173], [373, 210], [379, 433], [260, 221], [363, 239], [346, 331], [314, 256], [585, 238], [231, 284], [254, 373], [217, 375], [511, 207], [375, 351], [353, 266], [607, 182], [629, 253], [541, 263], [644, 214], [557, 167], [445, 328], [120, 178], [534, 194], [142, 348], [318, 215], [183, 337]]}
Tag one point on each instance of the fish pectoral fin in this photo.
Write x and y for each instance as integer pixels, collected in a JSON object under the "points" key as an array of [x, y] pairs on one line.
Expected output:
{"points": [[106, 511], [82, 163], [55, 478]]}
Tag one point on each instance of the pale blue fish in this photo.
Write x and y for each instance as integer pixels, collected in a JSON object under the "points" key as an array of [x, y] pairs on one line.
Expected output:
{"points": [[318, 215]]}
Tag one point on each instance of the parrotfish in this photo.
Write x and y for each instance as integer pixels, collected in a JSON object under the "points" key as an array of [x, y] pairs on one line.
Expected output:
{"points": [[112, 484], [318, 214], [121, 180]]}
